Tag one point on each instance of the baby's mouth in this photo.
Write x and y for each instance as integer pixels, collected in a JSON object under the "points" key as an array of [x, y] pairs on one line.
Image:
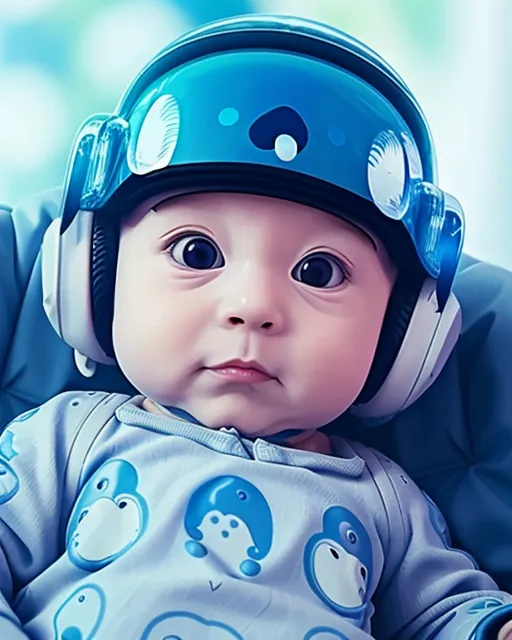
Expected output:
{"points": [[249, 372]]}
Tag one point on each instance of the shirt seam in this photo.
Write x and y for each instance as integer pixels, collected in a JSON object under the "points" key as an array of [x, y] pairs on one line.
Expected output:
{"points": [[76, 480]]}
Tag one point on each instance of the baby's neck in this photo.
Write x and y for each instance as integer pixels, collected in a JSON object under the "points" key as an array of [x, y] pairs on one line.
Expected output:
{"points": [[314, 441]]}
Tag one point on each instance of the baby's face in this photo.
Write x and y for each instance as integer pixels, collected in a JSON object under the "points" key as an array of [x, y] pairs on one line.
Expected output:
{"points": [[298, 294]]}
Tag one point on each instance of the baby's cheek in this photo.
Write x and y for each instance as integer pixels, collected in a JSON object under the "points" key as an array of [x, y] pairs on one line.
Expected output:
{"points": [[506, 631]]}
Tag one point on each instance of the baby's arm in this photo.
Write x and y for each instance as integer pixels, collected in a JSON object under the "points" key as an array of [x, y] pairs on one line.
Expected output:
{"points": [[430, 590], [36, 494]]}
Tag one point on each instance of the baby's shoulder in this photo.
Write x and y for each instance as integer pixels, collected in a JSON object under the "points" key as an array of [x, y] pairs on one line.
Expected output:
{"points": [[395, 487], [70, 408], [379, 465]]}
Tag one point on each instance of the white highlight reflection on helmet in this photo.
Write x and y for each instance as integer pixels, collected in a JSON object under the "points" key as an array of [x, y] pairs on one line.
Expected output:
{"points": [[387, 173], [285, 147], [157, 137]]}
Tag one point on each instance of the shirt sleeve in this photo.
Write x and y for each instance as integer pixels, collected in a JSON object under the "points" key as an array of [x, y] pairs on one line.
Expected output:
{"points": [[37, 490], [433, 591]]}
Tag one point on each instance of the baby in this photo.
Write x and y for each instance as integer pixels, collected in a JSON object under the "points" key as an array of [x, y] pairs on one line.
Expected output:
{"points": [[248, 285]]}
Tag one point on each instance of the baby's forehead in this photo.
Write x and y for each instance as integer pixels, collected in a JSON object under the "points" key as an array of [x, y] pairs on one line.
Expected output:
{"points": [[242, 210], [227, 203]]}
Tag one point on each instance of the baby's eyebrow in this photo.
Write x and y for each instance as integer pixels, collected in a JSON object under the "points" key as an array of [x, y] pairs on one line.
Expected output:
{"points": [[363, 232], [155, 210], [374, 244]]}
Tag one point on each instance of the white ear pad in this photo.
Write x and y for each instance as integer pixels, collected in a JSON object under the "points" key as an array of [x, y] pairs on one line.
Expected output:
{"points": [[429, 340], [50, 260], [66, 274], [67, 287]]}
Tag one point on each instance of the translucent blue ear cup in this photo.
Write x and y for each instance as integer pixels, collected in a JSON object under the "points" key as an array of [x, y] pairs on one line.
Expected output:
{"points": [[76, 180], [110, 147], [452, 236]]}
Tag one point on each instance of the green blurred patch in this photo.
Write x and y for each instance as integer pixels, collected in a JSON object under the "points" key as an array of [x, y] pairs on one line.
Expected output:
{"points": [[422, 22], [427, 22]]}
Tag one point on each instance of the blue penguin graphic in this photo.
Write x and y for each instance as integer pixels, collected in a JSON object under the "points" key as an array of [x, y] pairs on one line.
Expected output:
{"points": [[229, 517], [7, 449], [80, 616], [438, 522], [484, 605], [338, 563], [9, 481], [108, 518], [181, 625], [324, 633]]}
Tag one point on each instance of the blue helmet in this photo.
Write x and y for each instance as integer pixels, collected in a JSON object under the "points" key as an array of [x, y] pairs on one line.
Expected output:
{"points": [[281, 107]]}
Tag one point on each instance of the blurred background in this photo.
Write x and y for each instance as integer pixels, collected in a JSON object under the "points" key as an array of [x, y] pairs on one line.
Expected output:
{"points": [[62, 60]]}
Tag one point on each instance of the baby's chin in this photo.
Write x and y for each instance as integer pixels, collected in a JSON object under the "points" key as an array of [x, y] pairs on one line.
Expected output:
{"points": [[250, 422]]}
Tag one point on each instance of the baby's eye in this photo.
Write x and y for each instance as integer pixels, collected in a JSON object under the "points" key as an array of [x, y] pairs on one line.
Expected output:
{"points": [[351, 536], [321, 270], [196, 252]]}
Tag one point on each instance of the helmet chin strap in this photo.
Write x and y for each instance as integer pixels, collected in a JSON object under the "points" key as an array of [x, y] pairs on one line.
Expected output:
{"points": [[283, 436], [184, 415], [276, 438]]}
